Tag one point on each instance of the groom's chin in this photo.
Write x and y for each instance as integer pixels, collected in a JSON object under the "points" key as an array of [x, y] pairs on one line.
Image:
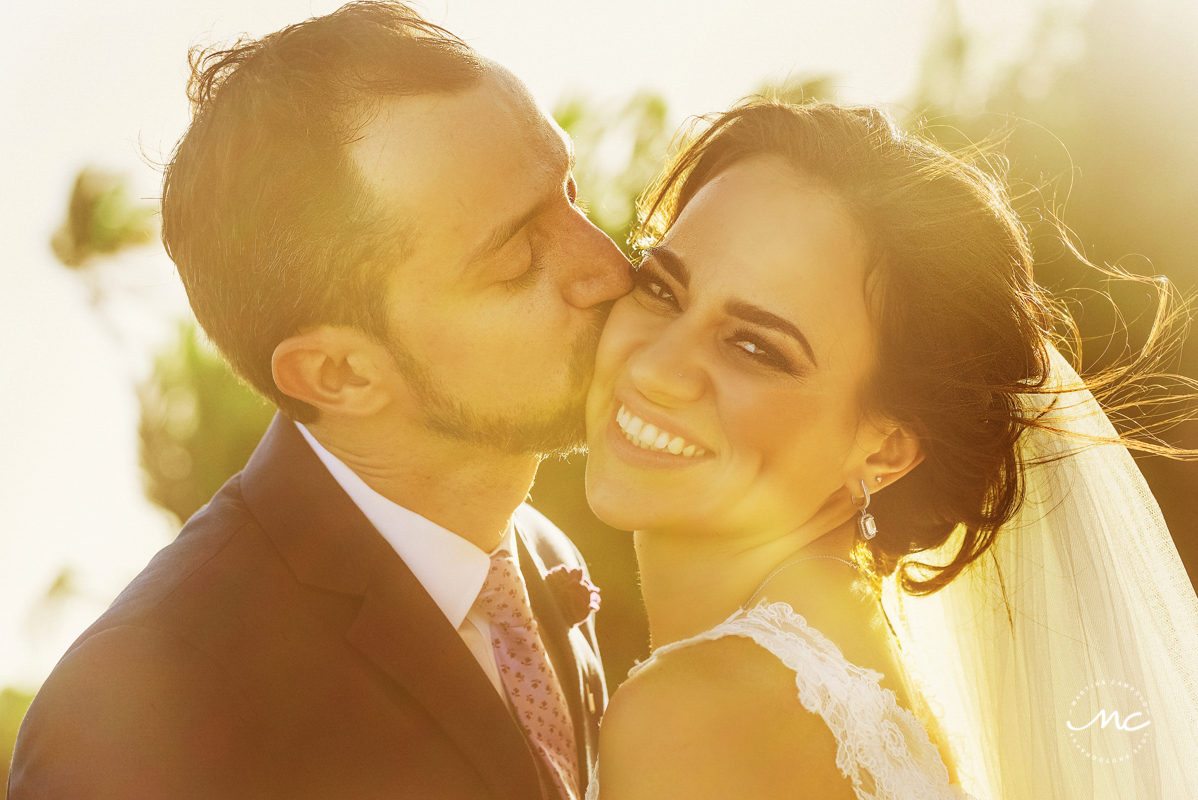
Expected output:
{"points": [[565, 435], [560, 431]]}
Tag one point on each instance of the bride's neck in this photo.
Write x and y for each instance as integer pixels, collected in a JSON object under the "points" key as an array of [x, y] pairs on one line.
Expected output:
{"points": [[691, 584]]}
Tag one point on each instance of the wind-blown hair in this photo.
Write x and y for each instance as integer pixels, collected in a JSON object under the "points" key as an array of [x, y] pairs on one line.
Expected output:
{"points": [[270, 226], [961, 329]]}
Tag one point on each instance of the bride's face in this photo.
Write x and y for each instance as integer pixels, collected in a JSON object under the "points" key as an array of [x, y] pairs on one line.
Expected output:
{"points": [[727, 390]]}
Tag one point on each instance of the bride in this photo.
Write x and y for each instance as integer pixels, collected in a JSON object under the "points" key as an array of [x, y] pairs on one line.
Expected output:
{"points": [[890, 546]]}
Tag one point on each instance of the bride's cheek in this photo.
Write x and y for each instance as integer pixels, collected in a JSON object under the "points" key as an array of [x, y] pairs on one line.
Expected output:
{"points": [[621, 338], [771, 430]]}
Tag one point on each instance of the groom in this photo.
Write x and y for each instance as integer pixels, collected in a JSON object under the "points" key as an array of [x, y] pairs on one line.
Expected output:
{"points": [[378, 230]]}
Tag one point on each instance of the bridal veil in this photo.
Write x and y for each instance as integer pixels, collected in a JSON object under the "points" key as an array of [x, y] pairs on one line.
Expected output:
{"points": [[1064, 663]]}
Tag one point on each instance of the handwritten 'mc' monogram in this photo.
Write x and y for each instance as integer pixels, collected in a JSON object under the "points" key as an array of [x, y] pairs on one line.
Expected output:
{"points": [[1113, 747], [1113, 716]]}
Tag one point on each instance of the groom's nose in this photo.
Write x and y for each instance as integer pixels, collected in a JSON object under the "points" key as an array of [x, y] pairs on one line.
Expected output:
{"points": [[595, 269]]}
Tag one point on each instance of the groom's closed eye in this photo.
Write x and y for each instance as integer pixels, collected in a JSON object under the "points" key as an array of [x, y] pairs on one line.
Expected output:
{"points": [[529, 276]]}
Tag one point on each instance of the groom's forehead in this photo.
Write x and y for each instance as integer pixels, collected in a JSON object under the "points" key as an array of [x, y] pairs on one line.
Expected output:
{"points": [[487, 152], [494, 116], [547, 145]]}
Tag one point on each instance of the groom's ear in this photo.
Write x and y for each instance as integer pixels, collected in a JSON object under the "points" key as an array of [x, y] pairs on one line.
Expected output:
{"points": [[337, 370]]}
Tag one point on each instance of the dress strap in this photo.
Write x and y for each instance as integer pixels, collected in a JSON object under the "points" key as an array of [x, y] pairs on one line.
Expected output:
{"points": [[881, 747]]}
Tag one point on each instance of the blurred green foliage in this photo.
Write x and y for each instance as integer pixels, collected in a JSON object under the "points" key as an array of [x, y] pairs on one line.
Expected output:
{"points": [[101, 220], [618, 153], [199, 424]]}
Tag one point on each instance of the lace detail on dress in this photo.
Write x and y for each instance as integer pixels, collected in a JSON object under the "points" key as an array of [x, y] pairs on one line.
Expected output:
{"points": [[881, 747]]}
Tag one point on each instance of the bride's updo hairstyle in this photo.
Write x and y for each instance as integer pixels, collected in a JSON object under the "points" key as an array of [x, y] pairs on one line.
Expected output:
{"points": [[961, 329]]}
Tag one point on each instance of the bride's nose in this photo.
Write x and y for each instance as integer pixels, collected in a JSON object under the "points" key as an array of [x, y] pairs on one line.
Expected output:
{"points": [[666, 371]]}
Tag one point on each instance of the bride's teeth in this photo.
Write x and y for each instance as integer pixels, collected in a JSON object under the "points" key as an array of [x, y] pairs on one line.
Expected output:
{"points": [[651, 437], [633, 429]]}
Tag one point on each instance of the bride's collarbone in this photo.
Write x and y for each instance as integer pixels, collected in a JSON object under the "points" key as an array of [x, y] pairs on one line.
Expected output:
{"points": [[716, 719]]}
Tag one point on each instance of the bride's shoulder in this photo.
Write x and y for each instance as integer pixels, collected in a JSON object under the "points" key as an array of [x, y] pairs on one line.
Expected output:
{"points": [[718, 718], [843, 618], [730, 672]]}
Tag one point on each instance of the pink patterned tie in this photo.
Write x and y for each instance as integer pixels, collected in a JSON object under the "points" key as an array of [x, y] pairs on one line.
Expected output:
{"points": [[528, 676]]}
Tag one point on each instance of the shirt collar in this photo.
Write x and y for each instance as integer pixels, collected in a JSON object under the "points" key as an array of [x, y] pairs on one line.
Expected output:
{"points": [[451, 569]]}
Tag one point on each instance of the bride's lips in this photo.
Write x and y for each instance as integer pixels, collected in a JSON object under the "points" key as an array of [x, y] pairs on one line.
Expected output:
{"points": [[623, 429]]}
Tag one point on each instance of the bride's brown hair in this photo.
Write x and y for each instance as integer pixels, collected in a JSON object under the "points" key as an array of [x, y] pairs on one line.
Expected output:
{"points": [[961, 328]]}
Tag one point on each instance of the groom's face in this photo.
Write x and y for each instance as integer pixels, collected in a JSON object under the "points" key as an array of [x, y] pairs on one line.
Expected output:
{"points": [[498, 300]]}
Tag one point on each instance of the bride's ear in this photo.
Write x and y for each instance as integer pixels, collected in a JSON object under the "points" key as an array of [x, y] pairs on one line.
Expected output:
{"points": [[897, 452]]}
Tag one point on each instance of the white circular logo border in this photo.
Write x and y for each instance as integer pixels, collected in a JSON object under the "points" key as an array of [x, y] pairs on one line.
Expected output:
{"points": [[1073, 734]]}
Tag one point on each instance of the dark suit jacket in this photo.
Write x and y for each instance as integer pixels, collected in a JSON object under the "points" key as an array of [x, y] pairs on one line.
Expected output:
{"points": [[280, 648]]}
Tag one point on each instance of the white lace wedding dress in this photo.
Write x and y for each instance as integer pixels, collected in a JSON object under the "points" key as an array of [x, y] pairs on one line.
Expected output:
{"points": [[881, 747]]}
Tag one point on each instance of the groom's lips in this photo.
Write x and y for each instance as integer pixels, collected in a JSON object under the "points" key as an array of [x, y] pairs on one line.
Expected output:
{"points": [[636, 456]]}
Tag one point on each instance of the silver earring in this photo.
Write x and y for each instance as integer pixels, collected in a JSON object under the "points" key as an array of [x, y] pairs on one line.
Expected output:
{"points": [[867, 523]]}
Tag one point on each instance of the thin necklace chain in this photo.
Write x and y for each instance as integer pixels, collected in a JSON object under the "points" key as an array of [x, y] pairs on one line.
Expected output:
{"points": [[774, 574]]}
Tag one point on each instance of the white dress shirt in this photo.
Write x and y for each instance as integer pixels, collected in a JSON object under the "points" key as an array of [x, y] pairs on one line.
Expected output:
{"points": [[451, 569]]}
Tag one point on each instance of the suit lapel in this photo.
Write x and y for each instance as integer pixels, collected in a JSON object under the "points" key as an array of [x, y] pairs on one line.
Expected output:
{"points": [[327, 542], [405, 634]]}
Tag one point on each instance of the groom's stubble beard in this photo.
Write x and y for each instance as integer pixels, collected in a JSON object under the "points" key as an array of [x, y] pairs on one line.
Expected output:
{"points": [[557, 430]]}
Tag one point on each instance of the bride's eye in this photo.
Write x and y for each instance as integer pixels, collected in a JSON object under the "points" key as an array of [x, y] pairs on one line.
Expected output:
{"points": [[659, 290], [761, 352], [649, 283]]}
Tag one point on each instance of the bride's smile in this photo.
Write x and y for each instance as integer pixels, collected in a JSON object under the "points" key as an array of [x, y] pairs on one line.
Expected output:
{"points": [[728, 387]]}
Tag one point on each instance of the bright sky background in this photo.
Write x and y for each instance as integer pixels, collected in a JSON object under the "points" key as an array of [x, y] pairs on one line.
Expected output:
{"points": [[99, 81]]}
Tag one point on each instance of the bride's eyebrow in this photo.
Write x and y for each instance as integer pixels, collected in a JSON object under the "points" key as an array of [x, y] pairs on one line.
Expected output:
{"points": [[671, 262], [766, 319]]}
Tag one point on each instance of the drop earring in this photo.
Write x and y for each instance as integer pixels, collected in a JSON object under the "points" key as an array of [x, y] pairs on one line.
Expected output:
{"points": [[867, 523]]}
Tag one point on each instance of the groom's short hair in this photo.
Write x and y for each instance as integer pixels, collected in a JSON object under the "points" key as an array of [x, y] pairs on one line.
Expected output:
{"points": [[267, 220]]}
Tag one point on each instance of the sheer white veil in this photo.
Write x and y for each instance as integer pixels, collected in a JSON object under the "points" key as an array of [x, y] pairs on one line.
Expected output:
{"points": [[1084, 683]]}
